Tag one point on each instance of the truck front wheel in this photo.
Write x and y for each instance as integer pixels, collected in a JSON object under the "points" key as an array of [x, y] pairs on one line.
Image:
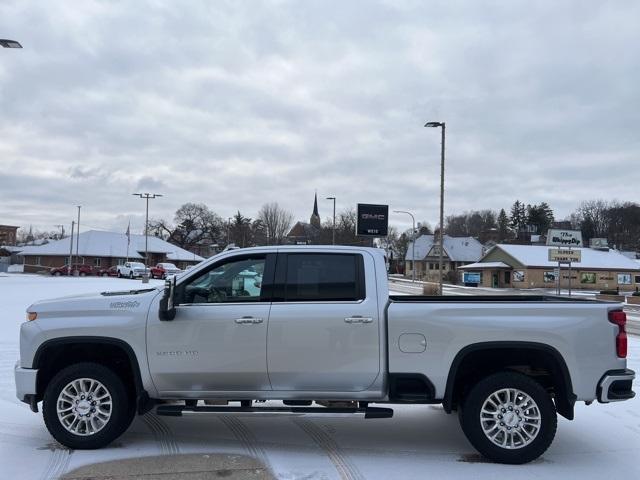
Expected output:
{"points": [[509, 418], [86, 406]]}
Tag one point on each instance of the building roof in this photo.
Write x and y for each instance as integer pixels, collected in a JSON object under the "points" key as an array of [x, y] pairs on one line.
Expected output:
{"points": [[458, 249], [538, 256], [97, 243], [481, 265]]}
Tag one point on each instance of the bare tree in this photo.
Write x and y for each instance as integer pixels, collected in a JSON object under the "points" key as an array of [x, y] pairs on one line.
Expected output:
{"points": [[276, 222]]}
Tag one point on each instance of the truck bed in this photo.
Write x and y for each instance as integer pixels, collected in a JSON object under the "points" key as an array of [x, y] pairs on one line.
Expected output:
{"points": [[490, 298]]}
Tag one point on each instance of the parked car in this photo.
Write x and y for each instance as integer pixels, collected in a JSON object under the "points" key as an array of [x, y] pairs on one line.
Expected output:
{"points": [[163, 270], [83, 270], [131, 270], [108, 272], [305, 324]]}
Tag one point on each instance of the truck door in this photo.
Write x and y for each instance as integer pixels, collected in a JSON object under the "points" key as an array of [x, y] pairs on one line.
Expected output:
{"points": [[218, 339], [324, 326]]}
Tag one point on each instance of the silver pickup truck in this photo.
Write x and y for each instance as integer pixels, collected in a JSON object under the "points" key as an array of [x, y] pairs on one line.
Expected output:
{"points": [[317, 324]]}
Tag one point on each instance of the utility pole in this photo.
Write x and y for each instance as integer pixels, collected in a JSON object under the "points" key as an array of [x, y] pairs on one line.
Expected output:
{"points": [[78, 237], [146, 196], [229, 229], [441, 257], [333, 241], [413, 244], [73, 222]]}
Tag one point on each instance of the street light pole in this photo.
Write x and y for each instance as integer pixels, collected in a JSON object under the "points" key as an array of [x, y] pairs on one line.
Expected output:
{"points": [[9, 43], [333, 236], [73, 222], [78, 237], [441, 259], [413, 244], [146, 196]]}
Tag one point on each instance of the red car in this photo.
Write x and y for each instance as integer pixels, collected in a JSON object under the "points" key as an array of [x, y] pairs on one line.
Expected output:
{"points": [[163, 270], [83, 270], [108, 272]]}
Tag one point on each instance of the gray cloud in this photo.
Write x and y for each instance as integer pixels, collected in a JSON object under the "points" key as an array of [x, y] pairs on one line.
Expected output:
{"points": [[236, 104]]}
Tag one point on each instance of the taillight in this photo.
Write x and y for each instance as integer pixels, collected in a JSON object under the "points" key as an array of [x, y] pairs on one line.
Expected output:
{"points": [[620, 319]]}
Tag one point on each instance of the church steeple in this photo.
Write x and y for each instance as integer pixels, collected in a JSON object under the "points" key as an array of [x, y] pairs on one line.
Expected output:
{"points": [[315, 216]]}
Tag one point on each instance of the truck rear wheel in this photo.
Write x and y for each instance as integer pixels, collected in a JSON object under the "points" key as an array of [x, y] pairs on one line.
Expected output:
{"points": [[86, 406], [509, 418]]}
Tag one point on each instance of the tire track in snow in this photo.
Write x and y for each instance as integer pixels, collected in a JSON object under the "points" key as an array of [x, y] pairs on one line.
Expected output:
{"points": [[346, 469], [162, 434], [58, 462], [247, 439]]}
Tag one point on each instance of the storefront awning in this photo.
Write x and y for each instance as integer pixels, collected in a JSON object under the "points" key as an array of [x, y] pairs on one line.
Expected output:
{"points": [[484, 266]]}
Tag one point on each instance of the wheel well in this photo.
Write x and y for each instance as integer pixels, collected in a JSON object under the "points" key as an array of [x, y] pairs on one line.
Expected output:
{"points": [[540, 362], [53, 356]]}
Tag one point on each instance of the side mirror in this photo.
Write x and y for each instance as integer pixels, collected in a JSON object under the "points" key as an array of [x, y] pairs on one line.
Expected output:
{"points": [[167, 309]]}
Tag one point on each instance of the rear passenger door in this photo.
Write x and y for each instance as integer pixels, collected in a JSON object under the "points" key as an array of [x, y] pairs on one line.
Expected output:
{"points": [[324, 330]]}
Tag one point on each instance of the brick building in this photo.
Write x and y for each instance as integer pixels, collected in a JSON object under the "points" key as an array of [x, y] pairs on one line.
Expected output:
{"points": [[528, 266], [8, 235], [105, 249]]}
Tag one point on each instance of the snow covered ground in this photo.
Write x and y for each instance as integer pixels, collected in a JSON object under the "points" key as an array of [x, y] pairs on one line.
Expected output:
{"points": [[419, 442]]}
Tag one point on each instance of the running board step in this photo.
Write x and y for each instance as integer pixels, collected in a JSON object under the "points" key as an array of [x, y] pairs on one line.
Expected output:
{"points": [[368, 412]]}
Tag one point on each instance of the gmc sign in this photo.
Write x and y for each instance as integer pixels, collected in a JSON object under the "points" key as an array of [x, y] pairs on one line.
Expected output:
{"points": [[372, 220]]}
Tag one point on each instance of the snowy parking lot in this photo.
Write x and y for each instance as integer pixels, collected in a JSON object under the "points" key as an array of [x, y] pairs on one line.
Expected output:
{"points": [[418, 442]]}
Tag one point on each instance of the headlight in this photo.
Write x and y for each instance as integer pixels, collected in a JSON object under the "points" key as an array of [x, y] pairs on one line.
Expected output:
{"points": [[31, 316]]}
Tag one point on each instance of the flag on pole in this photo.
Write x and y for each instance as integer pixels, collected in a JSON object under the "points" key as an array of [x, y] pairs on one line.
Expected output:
{"points": [[129, 233]]}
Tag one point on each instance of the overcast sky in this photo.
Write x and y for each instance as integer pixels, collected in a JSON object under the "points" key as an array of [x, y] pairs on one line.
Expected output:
{"points": [[238, 103]]}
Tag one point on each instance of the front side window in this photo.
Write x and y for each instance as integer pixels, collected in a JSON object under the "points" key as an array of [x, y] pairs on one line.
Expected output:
{"points": [[323, 277], [238, 280]]}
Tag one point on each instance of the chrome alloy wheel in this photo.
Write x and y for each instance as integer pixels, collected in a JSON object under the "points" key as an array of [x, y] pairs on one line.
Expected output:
{"points": [[84, 406], [510, 418]]}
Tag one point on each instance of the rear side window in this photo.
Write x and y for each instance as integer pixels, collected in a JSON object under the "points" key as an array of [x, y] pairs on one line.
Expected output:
{"points": [[324, 277]]}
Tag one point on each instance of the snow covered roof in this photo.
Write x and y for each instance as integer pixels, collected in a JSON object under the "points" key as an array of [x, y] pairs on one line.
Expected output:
{"points": [[477, 265], [538, 256], [96, 243], [458, 249]]}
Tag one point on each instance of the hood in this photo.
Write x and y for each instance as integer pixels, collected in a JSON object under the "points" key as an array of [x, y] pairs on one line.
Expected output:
{"points": [[92, 304]]}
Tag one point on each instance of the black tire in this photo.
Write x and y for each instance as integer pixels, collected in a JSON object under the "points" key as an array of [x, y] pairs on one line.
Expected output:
{"points": [[119, 275], [131, 275], [122, 411], [469, 414]]}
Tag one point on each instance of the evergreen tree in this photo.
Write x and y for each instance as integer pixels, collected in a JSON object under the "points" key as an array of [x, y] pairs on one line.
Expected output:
{"points": [[518, 216], [503, 225]]}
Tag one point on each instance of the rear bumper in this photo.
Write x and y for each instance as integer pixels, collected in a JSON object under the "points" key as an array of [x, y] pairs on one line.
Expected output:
{"points": [[616, 386], [25, 382]]}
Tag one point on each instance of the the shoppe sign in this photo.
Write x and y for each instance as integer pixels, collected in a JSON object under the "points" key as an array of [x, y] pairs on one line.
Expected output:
{"points": [[564, 238], [372, 220]]}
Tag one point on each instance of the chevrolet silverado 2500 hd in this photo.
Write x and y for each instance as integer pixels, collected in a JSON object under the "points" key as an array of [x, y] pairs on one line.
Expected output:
{"points": [[305, 324]]}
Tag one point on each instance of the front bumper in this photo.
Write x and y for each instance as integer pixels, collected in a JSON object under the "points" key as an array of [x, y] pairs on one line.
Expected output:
{"points": [[616, 386], [25, 382]]}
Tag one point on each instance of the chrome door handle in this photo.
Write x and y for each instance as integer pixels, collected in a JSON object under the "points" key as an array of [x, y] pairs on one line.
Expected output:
{"points": [[358, 319], [249, 320]]}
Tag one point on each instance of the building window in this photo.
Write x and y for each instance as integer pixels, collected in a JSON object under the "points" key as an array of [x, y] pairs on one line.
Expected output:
{"points": [[38, 259], [67, 260], [96, 262], [121, 261], [507, 277]]}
